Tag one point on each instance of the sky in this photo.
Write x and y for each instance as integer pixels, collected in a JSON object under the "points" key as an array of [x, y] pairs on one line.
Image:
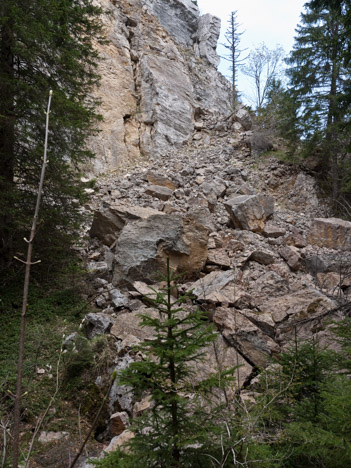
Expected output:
{"points": [[270, 21]]}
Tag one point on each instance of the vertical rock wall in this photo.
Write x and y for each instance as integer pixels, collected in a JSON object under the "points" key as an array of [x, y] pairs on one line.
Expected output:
{"points": [[158, 70]]}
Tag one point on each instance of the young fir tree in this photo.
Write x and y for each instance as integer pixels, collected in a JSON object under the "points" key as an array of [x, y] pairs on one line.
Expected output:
{"points": [[46, 44], [178, 431], [319, 83], [305, 409]]}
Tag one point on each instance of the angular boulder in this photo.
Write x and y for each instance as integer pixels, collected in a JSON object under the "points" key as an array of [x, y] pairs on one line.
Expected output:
{"points": [[97, 324], [250, 212], [299, 305], [220, 356], [219, 287], [143, 247], [110, 220], [155, 178], [245, 336], [332, 233], [158, 191], [243, 117]]}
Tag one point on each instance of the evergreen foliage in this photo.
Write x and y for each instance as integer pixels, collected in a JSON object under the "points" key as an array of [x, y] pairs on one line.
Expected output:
{"points": [[320, 85], [46, 44], [178, 430], [306, 406]]}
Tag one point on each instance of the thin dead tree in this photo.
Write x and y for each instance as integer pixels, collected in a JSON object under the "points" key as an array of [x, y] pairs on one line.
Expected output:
{"points": [[28, 263], [232, 36]]}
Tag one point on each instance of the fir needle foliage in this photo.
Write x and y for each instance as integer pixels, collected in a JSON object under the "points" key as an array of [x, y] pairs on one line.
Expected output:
{"points": [[46, 44], [178, 430]]}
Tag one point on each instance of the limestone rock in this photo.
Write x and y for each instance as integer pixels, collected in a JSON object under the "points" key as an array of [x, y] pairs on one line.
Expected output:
{"points": [[119, 423], [218, 287], [243, 117], [332, 233], [157, 191], [97, 324], [270, 230], [141, 406], [118, 299], [291, 257], [128, 325], [110, 220], [246, 337], [160, 180], [97, 267], [119, 441], [209, 27], [219, 355], [250, 211], [166, 103], [265, 257], [179, 18], [218, 257], [299, 305], [47, 437], [142, 248]]}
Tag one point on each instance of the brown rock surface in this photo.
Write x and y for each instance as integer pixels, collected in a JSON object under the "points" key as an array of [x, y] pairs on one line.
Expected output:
{"points": [[250, 211], [332, 233]]}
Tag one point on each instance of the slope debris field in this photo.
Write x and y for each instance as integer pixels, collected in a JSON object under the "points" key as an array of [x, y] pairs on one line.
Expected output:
{"points": [[181, 178]]}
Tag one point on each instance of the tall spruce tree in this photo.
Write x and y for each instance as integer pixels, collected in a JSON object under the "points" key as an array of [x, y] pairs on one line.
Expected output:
{"points": [[319, 79], [46, 44]]}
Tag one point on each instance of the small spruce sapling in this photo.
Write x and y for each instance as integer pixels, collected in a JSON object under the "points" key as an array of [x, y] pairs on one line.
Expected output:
{"points": [[179, 428]]}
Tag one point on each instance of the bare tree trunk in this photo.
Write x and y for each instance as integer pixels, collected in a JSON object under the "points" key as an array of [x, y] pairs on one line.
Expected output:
{"points": [[28, 263]]}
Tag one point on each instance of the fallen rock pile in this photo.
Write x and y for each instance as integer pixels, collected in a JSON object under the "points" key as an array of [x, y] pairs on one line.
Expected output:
{"points": [[255, 248]]}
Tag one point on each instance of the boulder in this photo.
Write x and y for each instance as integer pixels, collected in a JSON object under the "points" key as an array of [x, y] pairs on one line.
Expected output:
{"points": [[218, 257], [158, 191], [155, 178], [97, 324], [273, 231], [291, 257], [118, 423], [250, 212], [244, 336], [120, 441], [118, 299], [127, 325], [332, 233], [243, 117], [143, 247], [110, 220], [264, 257], [305, 303], [220, 356], [218, 287]]}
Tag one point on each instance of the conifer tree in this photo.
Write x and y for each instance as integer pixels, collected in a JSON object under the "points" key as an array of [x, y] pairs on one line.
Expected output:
{"points": [[46, 44], [319, 82], [178, 431]]}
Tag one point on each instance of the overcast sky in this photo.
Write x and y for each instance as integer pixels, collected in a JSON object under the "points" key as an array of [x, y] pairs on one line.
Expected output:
{"points": [[269, 21]]}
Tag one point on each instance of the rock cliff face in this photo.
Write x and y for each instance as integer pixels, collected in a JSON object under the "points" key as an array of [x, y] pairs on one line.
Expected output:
{"points": [[159, 74]]}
